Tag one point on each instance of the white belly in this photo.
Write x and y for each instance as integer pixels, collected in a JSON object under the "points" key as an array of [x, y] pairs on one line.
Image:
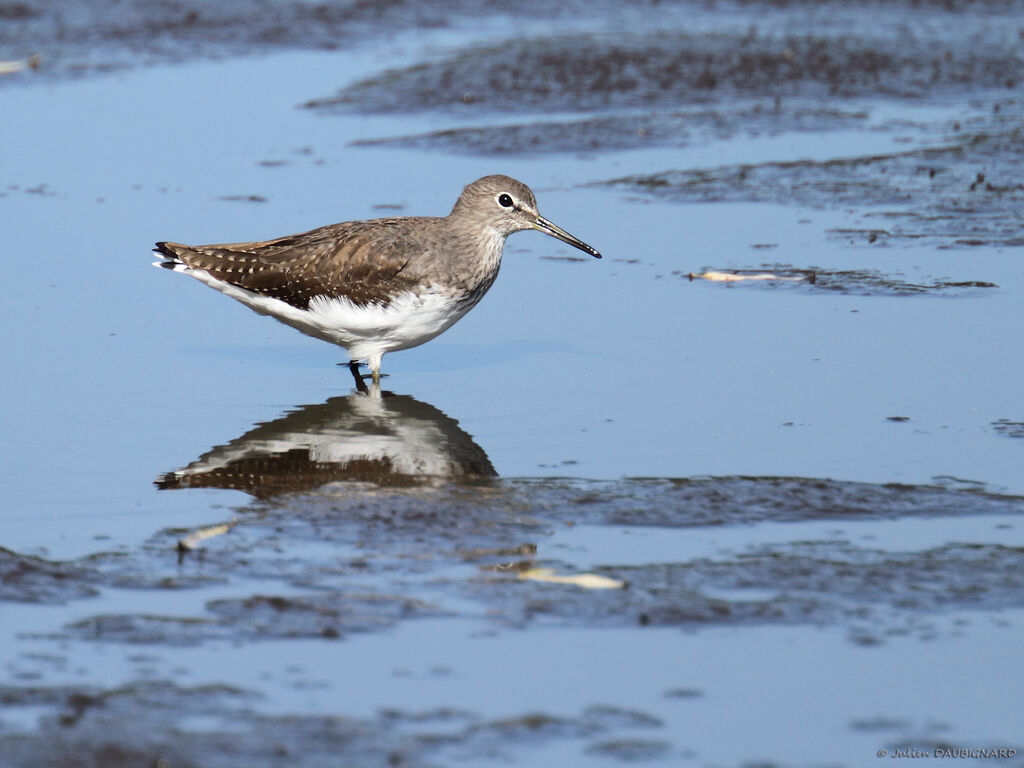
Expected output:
{"points": [[367, 332], [371, 330]]}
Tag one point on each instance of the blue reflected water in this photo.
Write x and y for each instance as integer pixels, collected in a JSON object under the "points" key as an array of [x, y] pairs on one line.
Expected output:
{"points": [[118, 373]]}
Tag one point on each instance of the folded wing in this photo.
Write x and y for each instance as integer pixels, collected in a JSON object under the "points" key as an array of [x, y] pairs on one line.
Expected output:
{"points": [[364, 264]]}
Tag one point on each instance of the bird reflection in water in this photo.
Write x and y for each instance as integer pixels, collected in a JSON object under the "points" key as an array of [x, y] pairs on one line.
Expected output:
{"points": [[370, 437]]}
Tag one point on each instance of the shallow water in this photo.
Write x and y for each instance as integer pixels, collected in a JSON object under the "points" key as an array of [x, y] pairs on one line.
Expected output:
{"points": [[809, 490]]}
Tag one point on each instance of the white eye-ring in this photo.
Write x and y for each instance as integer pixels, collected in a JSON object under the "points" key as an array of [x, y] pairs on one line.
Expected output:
{"points": [[505, 200]]}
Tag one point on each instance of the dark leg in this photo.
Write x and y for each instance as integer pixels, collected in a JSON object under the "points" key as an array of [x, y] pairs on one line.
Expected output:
{"points": [[353, 366]]}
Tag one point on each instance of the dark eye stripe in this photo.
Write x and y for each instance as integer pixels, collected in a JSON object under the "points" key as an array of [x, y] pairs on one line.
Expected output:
{"points": [[505, 200]]}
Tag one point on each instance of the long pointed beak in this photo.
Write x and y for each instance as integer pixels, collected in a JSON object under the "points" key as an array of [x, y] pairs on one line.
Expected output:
{"points": [[545, 226]]}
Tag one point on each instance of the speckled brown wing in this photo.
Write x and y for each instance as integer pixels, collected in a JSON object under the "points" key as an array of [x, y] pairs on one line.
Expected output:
{"points": [[363, 261]]}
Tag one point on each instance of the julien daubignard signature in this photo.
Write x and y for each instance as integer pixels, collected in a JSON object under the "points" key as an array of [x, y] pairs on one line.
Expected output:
{"points": [[991, 753]]}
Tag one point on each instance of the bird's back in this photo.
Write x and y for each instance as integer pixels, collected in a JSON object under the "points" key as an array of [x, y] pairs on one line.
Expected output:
{"points": [[362, 261]]}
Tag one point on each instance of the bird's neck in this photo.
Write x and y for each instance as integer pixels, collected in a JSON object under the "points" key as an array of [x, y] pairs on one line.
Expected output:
{"points": [[479, 248]]}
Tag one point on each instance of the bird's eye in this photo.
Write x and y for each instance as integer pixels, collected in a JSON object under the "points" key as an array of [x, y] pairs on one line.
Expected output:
{"points": [[505, 200]]}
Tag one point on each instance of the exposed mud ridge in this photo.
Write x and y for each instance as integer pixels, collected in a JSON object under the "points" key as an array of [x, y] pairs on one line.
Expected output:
{"points": [[965, 192], [86, 729], [474, 543], [633, 131], [862, 282], [559, 74], [874, 594]]}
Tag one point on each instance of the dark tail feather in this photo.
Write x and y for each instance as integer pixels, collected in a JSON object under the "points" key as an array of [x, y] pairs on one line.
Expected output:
{"points": [[165, 250]]}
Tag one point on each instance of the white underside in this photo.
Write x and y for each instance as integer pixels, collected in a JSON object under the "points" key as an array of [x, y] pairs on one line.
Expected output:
{"points": [[367, 332]]}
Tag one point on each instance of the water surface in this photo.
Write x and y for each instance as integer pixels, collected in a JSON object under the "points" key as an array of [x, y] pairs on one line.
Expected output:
{"points": [[805, 491]]}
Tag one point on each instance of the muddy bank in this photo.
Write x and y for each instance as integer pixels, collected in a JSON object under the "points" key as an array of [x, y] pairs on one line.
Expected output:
{"points": [[760, 79], [345, 561], [491, 536], [787, 77], [563, 74], [741, 48], [965, 191]]}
